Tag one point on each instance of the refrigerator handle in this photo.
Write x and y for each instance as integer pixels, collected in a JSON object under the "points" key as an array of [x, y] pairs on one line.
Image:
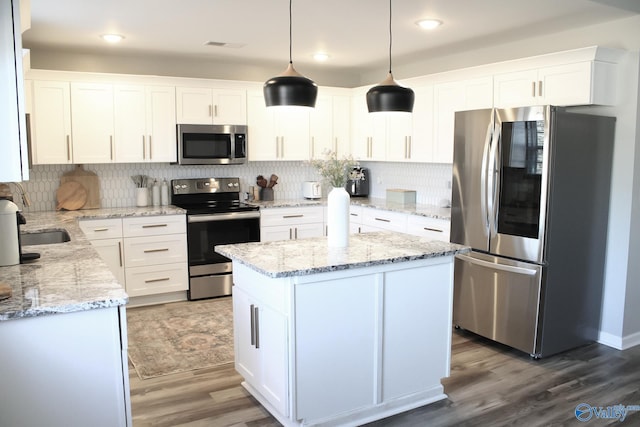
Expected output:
{"points": [[494, 177], [484, 172], [495, 266]]}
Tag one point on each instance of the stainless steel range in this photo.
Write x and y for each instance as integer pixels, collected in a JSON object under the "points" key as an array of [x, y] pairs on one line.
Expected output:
{"points": [[215, 216]]}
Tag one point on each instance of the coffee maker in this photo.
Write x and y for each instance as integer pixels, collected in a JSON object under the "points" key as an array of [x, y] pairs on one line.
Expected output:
{"points": [[358, 182]]}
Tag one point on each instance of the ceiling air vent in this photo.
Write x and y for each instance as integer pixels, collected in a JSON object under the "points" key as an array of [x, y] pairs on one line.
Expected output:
{"points": [[225, 44]]}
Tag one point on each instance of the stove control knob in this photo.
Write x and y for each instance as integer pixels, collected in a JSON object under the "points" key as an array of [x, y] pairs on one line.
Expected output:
{"points": [[207, 184], [235, 184], [230, 185], [183, 186]]}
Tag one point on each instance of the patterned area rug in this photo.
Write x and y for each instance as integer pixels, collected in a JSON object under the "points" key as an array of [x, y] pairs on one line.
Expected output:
{"points": [[182, 336]]}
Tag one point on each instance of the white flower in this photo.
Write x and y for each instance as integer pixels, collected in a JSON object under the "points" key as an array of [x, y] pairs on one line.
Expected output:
{"points": [[332, 169]]}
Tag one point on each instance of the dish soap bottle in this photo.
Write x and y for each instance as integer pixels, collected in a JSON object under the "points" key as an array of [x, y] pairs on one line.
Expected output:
{"points": [[155, 193], [164, 193]]}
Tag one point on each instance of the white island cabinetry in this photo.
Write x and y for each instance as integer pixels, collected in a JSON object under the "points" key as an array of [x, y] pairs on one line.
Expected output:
{"points": [[349, 337]]}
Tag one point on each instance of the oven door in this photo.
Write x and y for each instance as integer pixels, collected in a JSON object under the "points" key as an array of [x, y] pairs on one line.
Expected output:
{"points": [[206, 231], [210, 274]]}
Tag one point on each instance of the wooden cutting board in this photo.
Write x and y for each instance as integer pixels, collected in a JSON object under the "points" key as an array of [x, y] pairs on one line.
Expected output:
{"points": [[89, 181], [5, 291], [71, 196]]}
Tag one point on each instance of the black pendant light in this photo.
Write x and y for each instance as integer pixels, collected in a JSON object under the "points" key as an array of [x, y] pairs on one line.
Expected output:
{"points": [[389, 95], [290, 88]]}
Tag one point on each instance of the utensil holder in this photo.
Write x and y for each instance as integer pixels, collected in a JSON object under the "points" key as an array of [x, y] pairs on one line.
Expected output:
{"points": [[266, 194], [142, 197]]}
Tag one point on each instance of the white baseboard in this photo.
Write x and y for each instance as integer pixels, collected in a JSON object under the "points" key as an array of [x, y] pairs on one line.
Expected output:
{"points": [[618, 342]]}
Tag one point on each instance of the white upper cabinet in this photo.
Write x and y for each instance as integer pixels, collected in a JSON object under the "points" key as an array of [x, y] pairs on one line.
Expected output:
{"points": [[420, 147], [92, 116], [145, 124], [13, 162], [582, 83], [276, 133], [330, 125], [211, 106], [369, 131], [51, 123], [455, 96]]}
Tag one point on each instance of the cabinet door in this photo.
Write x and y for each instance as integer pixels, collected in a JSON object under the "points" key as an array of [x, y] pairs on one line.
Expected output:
{"points": [[335, 352], [262, 141], [304, 231], [415, 358], [447, 98], [51, 123], [321, 127], [566, 84], [432, 228], [292, 127], [92, 118], [110, 250], [229, 106], [246, 354], [369, 131], [194, 105], [280, 232], [421, 143], [342, 125], [399, 137], [129, 124], [157, 279], [271, 343], [515, 89], [161, 124]]}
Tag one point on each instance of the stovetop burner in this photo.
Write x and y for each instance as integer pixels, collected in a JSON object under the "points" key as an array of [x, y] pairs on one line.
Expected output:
{"points": [[208, 195]]}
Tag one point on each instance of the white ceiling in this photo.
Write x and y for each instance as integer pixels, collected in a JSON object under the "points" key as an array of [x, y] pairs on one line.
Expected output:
{"points": [[353, 32]]}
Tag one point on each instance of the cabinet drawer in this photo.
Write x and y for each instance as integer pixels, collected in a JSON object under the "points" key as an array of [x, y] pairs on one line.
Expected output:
{"points": [[355, 214], [154, 225], [393, 221], [433, 228], [154, 250], [101, 228], [157, 279], [291, 216]]}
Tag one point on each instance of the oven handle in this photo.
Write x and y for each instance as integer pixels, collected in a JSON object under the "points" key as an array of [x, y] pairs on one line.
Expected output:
{"points": [[222, 217]]}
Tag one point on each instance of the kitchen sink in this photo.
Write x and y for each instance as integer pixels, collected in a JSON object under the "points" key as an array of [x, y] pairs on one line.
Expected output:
{"points": [[45, 237]]}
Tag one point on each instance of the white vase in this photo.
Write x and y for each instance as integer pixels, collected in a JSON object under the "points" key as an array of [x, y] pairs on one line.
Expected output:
{"points": [[338, 218]]}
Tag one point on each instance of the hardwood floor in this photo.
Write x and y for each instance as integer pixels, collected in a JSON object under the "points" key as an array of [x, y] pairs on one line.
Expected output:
{"points": [[490, 385]]}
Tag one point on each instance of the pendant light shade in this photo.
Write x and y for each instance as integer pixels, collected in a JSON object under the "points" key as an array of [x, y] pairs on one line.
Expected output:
{"points": [[388, 95], [290, 88]]}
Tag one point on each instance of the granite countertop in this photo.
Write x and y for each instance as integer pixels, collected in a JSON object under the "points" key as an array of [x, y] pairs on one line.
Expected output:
{"points": [[69, 276], [429, 211], [310, 256]]}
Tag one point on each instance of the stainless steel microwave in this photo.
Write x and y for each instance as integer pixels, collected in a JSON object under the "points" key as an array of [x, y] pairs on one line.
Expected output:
{"points": [[212, 144]]}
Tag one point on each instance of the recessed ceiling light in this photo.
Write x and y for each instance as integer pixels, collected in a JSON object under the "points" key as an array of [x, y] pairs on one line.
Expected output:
{"points": [[112, 38], [320, 56], [429, 24]]}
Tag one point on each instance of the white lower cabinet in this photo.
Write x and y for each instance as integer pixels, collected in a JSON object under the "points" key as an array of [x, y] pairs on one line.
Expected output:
{"points": [[67, 369], [148, 254], [377, 219], [433, 228], [291, 223], [345, 346]]}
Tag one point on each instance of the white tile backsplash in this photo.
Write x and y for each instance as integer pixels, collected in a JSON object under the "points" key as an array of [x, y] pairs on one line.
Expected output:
{"points": [[118, 190]]}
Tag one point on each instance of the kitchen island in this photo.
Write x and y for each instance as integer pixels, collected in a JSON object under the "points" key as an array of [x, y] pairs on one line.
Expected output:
{"points": [[327, 336]]}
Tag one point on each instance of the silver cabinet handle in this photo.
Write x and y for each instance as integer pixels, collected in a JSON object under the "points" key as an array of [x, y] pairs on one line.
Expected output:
{"points": [[150, 148], [282, 146], [313, 146], [253, 322], [111, 146], [148, 251], [296, 233], [432, 229], [163, 279], [290, 234], [277, 147], [409, 138], [144, 148], [154, 225], [335, 144], [293, 216], [120, 253], [215, 111], [210, 110], [256, 321], [353, 214], [533, 89], [69, 147], [539, 87], [95, 230], [382, 219]]}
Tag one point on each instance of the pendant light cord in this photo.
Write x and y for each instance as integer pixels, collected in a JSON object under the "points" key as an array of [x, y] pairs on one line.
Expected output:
{"points": [[390, 37], [290, 33]]}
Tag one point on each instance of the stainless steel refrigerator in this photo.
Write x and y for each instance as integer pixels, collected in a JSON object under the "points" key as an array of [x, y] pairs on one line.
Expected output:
{"points": [[530, 196]]}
